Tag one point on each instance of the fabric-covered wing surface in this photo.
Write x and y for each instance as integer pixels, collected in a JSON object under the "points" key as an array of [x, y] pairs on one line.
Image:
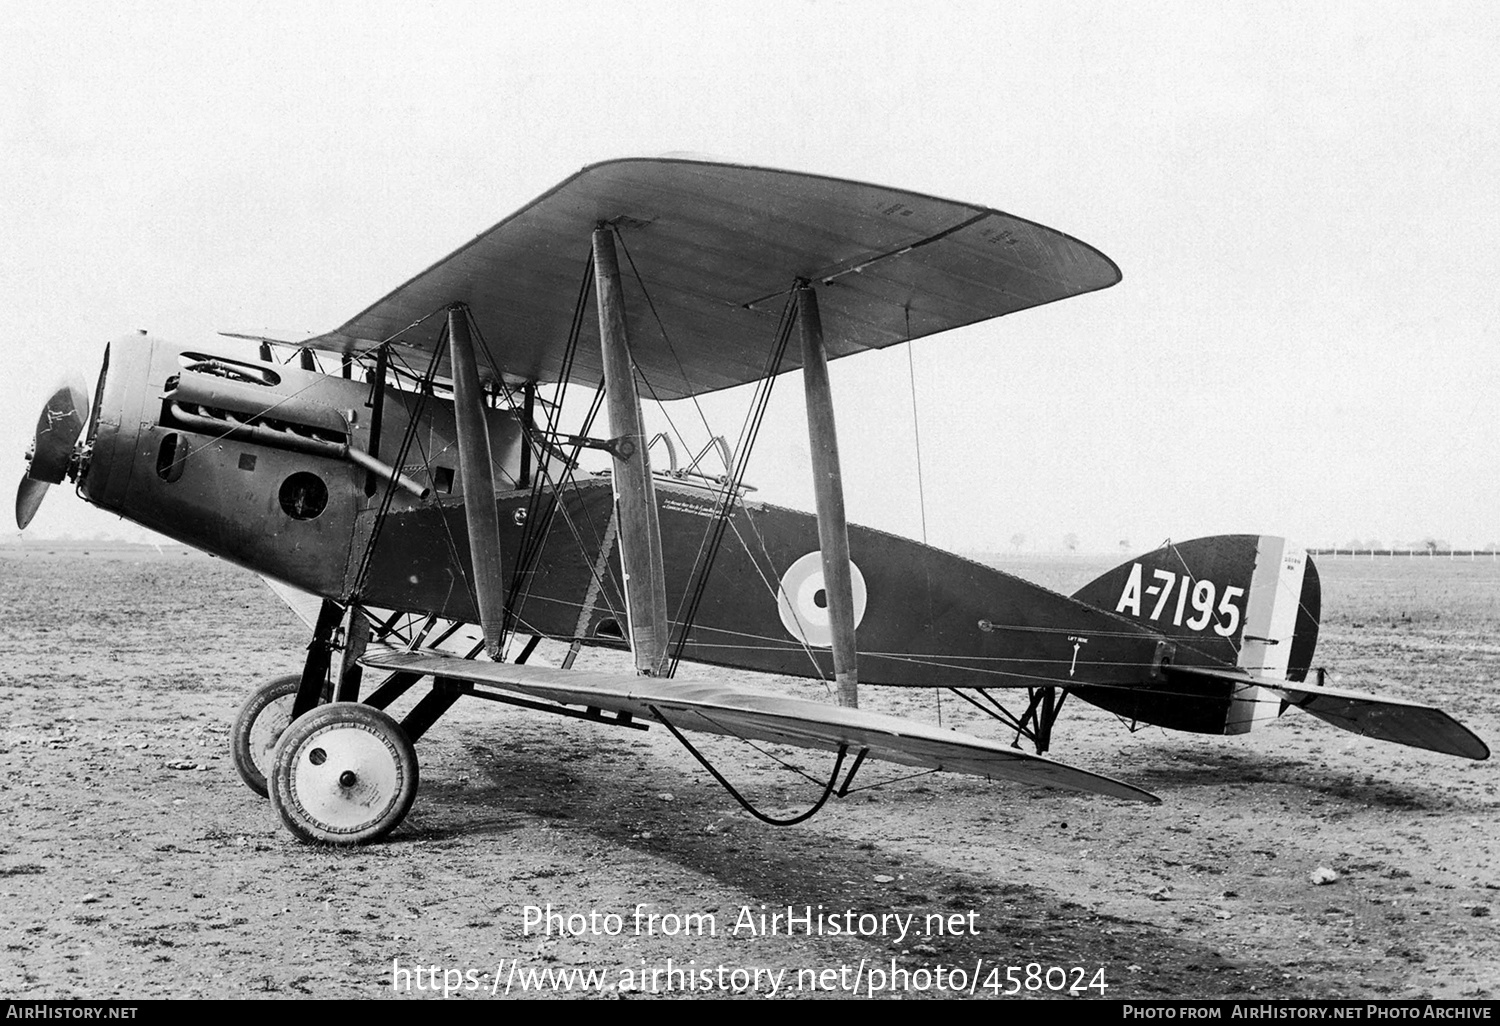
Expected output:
{"points": [[1385, 719], [1389, 719], [741, 712], [717, 248]]}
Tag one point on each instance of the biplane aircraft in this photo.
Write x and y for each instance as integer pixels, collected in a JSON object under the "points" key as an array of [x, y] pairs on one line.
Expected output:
{"points": [[427, 496]]}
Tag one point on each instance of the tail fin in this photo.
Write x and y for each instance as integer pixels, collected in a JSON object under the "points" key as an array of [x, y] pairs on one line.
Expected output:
{"points": [[1243, 610], [1250, 602]]}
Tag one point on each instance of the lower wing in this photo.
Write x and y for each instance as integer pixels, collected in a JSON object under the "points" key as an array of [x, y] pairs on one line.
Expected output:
{"points": [[740, 712]]}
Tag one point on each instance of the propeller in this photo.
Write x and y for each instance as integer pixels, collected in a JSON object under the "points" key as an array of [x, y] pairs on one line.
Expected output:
{"points": [[57, 431]]}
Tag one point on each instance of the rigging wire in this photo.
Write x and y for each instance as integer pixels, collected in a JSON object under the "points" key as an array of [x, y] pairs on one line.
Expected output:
{"points": [[361, 578], [556, 506], [916, 430], [727, 499], [427, 458], [911, 377], [538, 526], [703, 564]]}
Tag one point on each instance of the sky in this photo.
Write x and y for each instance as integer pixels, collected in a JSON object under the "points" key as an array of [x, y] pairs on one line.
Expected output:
{"points": [[1301, 197]]}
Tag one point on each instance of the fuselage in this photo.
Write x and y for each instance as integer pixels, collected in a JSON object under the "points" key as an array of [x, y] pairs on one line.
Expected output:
{"points": [[250, 461]]}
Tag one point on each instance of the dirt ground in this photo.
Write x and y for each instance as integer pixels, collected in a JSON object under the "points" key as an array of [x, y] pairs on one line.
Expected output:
{"points": [[136, 865]]}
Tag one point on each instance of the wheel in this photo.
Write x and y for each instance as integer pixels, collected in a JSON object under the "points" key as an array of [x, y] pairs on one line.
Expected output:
{"points": [[343, 774], [258, 725]]}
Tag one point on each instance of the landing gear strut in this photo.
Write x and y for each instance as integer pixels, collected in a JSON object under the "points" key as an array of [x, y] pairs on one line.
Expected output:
{"points": [[1035, 724], [339, 771], [273, 706]]}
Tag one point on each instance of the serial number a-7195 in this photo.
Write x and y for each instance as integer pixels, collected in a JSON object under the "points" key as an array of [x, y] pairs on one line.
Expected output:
{"points": [[1193, 606]]}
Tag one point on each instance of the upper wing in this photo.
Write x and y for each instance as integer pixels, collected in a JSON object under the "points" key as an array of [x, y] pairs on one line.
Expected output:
{"points": [[718, 246], [740, 712]]}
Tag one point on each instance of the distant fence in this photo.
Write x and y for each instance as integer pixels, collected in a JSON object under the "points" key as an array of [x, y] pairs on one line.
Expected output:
{"points": [[1406, 553]]}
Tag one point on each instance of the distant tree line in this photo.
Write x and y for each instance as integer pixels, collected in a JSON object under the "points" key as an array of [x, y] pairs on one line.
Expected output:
{"points": [[1431, 547]]}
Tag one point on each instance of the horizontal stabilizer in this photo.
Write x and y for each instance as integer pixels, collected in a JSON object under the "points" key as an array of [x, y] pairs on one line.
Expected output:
{"points": [[1389, 719], [1385, 719], [740, 712]]}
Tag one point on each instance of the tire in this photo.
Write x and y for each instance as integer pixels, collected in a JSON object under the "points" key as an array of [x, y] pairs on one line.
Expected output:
{"points": [[344, 774], [257, 727]]}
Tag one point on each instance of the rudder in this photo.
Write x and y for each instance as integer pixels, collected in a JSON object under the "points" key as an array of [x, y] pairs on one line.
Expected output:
{"points": [[1247, 601]]}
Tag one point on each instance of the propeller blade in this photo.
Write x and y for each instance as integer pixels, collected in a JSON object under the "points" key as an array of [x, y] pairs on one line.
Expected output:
{"points": [[28, 499], [57, 429]]}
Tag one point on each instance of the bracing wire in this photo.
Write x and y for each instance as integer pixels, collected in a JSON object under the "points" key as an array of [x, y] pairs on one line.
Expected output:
{"points": [[703, 564], [413, 417], [749, 432], [538, 535], [916, 431]]}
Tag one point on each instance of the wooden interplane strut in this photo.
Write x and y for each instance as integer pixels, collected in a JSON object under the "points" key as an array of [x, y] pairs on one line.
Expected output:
{"points": [[635, 493], [476, 471], [828, 486]]}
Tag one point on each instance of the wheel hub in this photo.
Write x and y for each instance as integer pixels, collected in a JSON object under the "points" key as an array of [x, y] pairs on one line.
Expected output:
{"points": [[345, 777]]}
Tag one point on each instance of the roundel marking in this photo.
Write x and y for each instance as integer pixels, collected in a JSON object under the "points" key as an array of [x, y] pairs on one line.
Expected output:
{"points": [[803, 603]]}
